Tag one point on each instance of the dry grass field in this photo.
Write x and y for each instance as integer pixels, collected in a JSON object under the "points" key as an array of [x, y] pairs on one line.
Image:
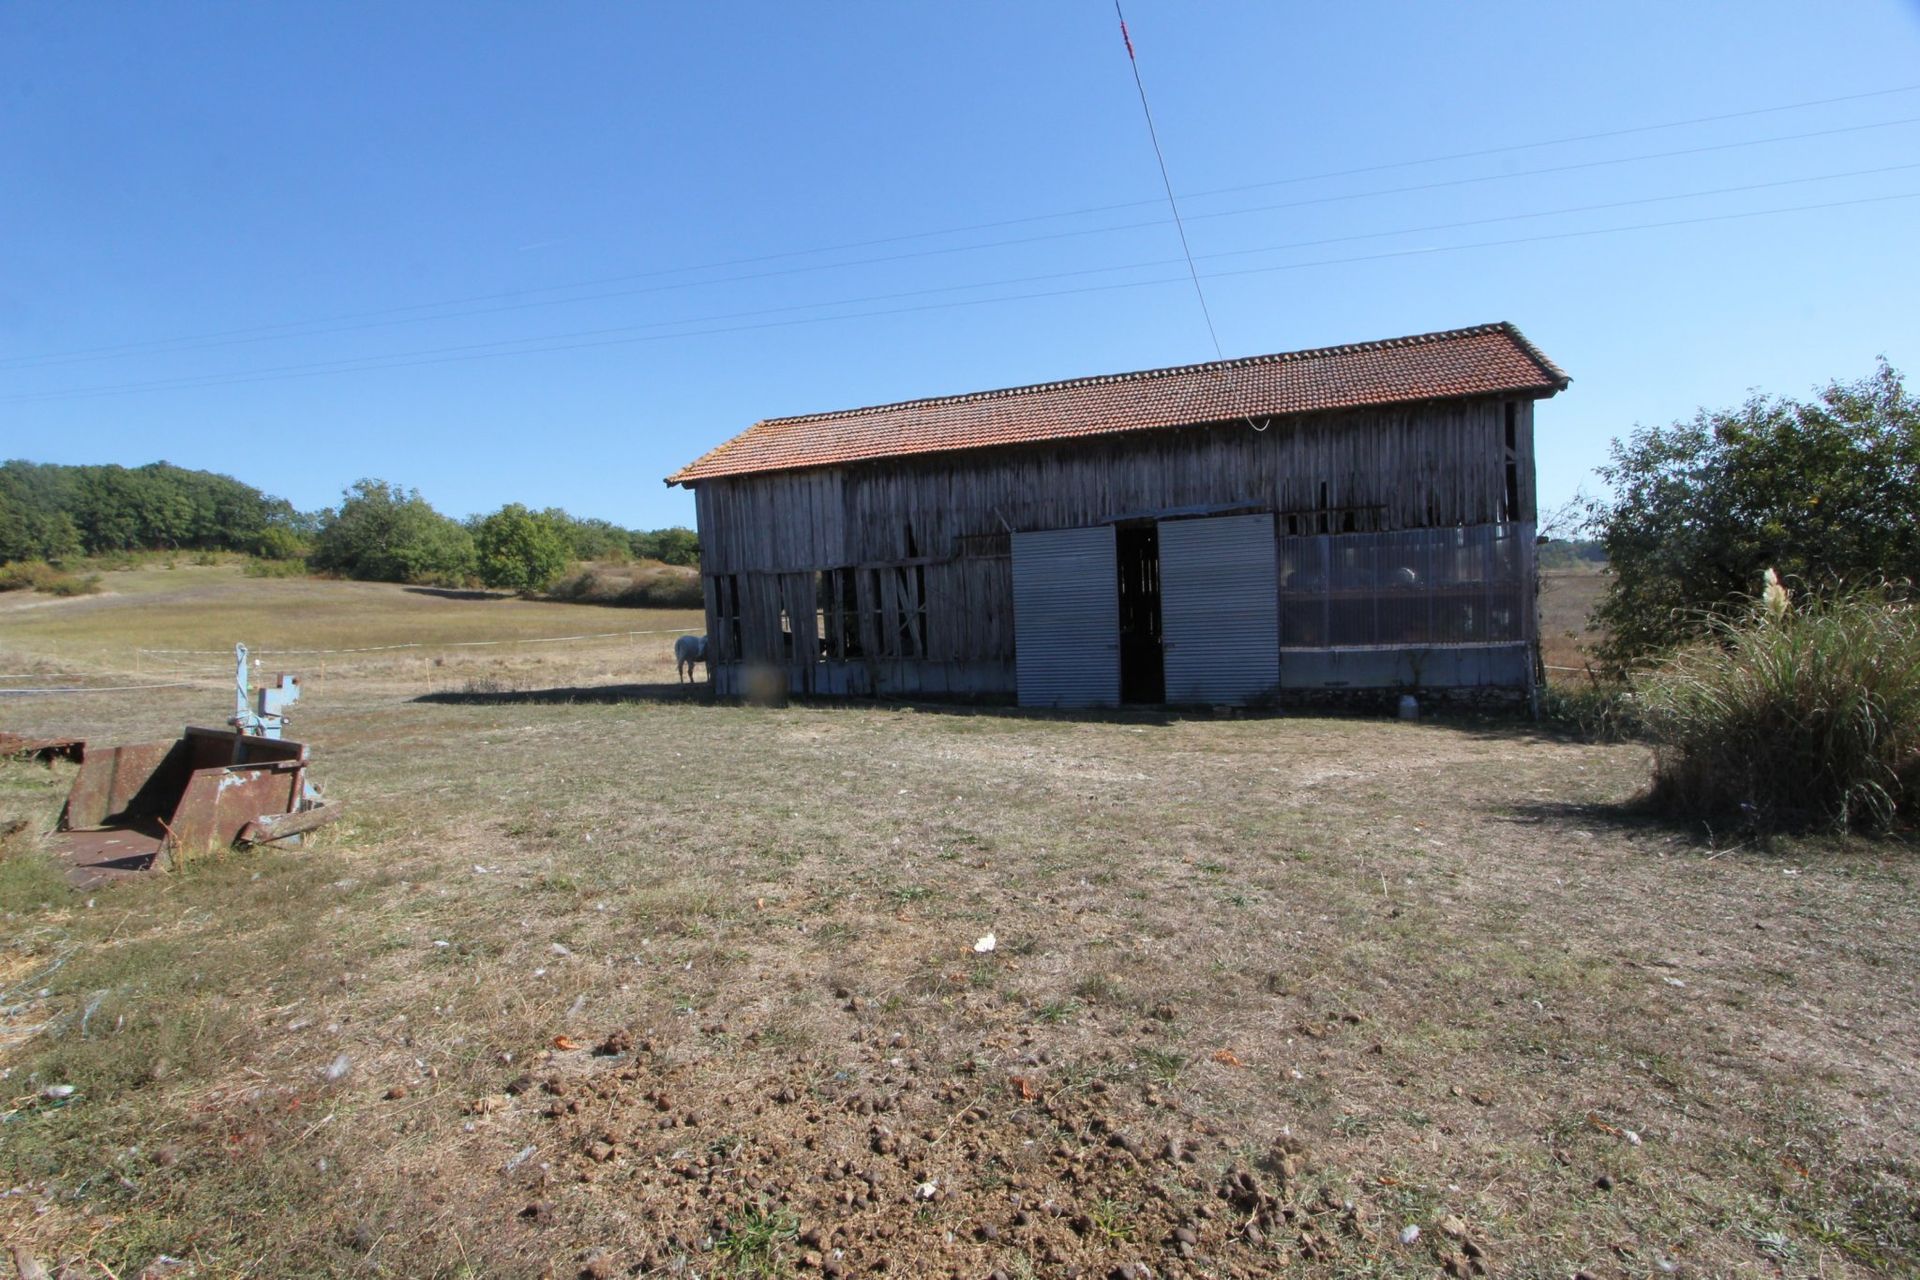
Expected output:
{"points": [[1567, 634], [621, 982]]}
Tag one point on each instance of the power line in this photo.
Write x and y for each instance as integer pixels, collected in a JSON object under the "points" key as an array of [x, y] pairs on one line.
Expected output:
{"points": [[1424, 251], [347, 364], [1571, 167], [1566, 209], [1441, 184], [269, 332], [1160, 156]]}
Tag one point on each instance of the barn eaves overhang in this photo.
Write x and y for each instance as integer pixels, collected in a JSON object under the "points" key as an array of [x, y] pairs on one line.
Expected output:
{"points": [[1484, 360]]}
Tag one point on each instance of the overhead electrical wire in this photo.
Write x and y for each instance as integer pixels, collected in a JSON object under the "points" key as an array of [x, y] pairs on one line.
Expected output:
{"points": [[1556, 142], [345, 363], [185, 346], [29, 362], [1160, 156], [305, 328], [380, 363]]}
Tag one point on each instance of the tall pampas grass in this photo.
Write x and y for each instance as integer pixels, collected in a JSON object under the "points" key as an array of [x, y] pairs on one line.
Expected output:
{"points": [[1795, 716]]}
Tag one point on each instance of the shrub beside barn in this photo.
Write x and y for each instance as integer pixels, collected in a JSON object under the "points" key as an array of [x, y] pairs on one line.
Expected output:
{"points": [[1289, 527]]}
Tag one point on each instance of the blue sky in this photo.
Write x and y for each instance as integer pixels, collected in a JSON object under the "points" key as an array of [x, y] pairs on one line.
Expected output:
{"points": [[291, 243]]}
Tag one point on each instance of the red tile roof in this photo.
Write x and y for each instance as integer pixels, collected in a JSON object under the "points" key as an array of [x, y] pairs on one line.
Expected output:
{"points": [[1487, 359]]}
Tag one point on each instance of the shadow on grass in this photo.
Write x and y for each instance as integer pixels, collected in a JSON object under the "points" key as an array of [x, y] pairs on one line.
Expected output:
{"points": [[702, 695], [1809, 840], [1643, 823], [1635, 816], [459, 593], [1505, 727], [577, 695]]}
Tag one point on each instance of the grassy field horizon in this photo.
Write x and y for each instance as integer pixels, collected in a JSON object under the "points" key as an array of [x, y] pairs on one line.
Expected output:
{"points": [[195, 605], [186, 618]]}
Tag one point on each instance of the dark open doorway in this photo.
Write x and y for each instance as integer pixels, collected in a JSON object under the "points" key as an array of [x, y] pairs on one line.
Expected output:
{"points": [[1142, 665]]}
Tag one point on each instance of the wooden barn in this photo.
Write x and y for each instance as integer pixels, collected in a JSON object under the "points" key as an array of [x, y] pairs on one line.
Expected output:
{"points": [[1252, 531]]}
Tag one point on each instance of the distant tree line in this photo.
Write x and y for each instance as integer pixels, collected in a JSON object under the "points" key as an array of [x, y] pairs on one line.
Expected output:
{"points": [[1572, 553], [379, 532], [53, 513], [385, 533]]}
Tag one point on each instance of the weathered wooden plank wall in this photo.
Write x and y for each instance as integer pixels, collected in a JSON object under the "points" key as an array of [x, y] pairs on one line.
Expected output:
{"points": [[1406, 467], [1412, 467]]}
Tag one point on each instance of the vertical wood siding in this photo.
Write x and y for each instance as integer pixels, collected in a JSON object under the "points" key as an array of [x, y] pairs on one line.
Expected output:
{"points": [[1410, 467]]}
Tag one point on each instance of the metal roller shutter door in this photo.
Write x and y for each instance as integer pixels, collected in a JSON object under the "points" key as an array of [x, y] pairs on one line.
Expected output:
{"points": [[1066, 618], [1219, 609]]}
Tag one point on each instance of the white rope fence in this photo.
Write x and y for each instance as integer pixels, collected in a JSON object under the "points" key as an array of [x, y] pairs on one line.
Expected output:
{"points": [[429, 644], [173, 658], [107, 688]]}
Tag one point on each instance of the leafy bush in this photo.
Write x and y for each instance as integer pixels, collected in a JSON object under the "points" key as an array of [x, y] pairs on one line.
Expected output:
{"points": [[1826, 490], [38, 575], [590, 539], [675, 546], [1600, 711], [384, 533], [664, 593], [22, 575], [642, 586], [1798, 717], [521, 550], [278, 542], [71, 584], [262, 568]]}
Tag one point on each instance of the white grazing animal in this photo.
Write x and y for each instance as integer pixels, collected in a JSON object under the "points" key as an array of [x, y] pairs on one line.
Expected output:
{"points": [[687, 651]]}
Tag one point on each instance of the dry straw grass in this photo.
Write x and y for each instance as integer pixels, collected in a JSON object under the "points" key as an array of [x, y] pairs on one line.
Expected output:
{"points": [[1793, 716], [37, 575], [645, 584], [1433, 970], [1567, 637]]}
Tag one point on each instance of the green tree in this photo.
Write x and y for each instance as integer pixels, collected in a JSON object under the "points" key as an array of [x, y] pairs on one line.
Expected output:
{"points": [[591, 539], [55, 538], [385, 533], [1826, 491], [278, 542], [522, 550], [670, 546], [47, 510]]}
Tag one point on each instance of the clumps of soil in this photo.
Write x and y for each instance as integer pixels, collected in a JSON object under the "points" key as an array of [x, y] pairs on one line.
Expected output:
{"points": [[898, 1165]]}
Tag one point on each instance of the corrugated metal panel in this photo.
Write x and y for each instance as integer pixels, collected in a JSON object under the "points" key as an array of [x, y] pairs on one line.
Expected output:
{"points": [[1066, 618], [1502, 666], [1219, 609], [1417, 587]]}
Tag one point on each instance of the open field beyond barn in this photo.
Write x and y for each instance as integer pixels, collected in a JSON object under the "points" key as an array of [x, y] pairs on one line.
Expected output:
{"points": [[615, 982], [1567, 600]]}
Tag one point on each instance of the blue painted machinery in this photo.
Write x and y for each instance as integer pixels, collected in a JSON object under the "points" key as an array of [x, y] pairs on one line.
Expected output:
{"points": [[265, 717]]}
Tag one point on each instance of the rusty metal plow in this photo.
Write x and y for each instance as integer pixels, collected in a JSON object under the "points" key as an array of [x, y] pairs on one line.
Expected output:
{"points": [[154, 805]]}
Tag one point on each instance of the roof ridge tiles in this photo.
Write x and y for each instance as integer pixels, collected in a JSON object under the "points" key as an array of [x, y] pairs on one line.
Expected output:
{"points": [[1477, 360], [1165, 371]]}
